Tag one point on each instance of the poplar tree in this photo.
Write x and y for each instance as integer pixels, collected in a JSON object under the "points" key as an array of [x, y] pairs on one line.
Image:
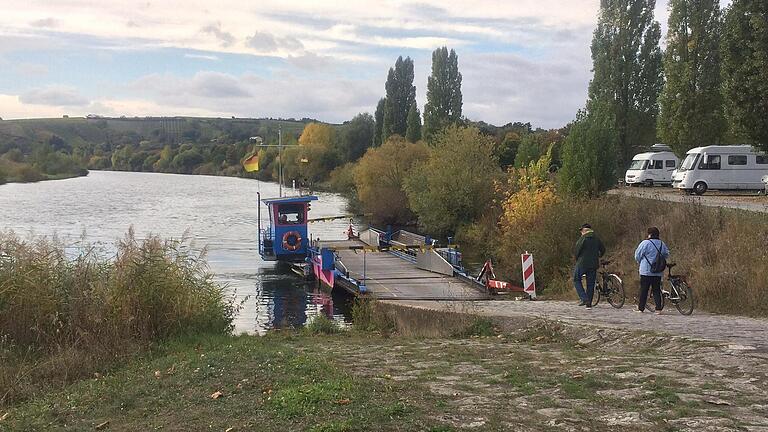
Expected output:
{"points": [[401, 94], [691, 102], [627, 65], [745, 69], [413, 132], [378, 118], [444, 99]]}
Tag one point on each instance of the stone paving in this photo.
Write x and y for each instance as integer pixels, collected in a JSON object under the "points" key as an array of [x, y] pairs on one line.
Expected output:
{"points": [[743, 334]]}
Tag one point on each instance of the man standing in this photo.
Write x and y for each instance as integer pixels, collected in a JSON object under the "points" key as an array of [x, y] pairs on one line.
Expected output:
{"points": [[588, 251]]}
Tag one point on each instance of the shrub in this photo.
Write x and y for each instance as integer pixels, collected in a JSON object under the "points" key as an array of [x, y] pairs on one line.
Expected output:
{"points": [[63, 317], [721, 250], [321, 324]]}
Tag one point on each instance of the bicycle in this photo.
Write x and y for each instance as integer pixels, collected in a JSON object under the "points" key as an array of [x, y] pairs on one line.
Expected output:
{"points": [[611, 287], [680, 293]]}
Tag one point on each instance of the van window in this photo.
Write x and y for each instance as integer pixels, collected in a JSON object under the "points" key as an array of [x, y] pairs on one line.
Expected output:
{"points": [[657, 164], [712, 163], [638, 164], [761, 160], [737, 159], [671, 164], [689, 162]]}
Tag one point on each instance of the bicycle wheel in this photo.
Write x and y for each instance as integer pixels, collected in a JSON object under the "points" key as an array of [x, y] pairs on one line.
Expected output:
{"points": [[615, 289], [596, 295], [684, 304]]}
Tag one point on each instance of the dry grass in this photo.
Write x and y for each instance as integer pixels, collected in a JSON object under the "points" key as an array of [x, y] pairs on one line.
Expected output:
{"points": [[722, 251], [65, 317]]}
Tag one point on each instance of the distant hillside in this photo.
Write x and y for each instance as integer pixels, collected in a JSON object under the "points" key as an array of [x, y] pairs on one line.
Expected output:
{"points": [[83, 132]]}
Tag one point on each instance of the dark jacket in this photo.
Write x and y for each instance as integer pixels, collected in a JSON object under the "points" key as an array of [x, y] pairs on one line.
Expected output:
{"points": [[588, 251]]}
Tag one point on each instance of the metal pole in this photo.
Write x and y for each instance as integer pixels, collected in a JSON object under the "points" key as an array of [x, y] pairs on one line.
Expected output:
{"points": [[280, 157], [258, 212]]}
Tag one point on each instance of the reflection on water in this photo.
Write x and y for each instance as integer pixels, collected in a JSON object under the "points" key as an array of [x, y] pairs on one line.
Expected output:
{"points": [[218, 212]]}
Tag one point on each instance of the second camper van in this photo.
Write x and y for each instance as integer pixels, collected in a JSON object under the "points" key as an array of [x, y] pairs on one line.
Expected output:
{"points": [[652, 168], [728, 167]]}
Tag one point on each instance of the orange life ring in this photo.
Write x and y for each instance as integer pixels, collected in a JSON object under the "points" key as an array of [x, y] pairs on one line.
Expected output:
{"points": [[296, 243]]}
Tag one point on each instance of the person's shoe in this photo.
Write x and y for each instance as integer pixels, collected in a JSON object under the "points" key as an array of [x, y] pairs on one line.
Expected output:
{"points": [[589, 307], [582, 303], [658, 312], [638, 310]]}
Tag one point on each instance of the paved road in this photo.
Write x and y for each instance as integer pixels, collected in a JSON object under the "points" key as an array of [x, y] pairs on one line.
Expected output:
{"points": [[740, 333], [742, 201]]}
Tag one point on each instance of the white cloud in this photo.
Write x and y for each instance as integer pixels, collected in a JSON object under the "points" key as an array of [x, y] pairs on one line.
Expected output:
{"points": [[54, 95], [202, 57]]}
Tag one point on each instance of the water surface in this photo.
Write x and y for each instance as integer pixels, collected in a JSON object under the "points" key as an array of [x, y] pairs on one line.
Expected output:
{"points": [[219, 213]]}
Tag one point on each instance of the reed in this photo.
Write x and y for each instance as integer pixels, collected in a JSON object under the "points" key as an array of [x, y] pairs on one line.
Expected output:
{"points": [[66, 315]]}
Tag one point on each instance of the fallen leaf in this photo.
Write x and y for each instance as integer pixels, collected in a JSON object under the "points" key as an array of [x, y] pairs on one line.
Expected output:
{"points": [[96, 375], [343, 402], [229, 429], [4, 416], [101, 426], [217, 394], [171, 370], [158, 374]]}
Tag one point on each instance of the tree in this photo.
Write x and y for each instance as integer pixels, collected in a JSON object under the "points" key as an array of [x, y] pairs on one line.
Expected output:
{"points": [[529, 150], [444, 99], [379, 119], [455, 185], [401, 94], [745, 69], [413, 132], [588, 153], [379, 177], [506, 151], [691, 102], [356, 136], [627, 72], [316, 155]]}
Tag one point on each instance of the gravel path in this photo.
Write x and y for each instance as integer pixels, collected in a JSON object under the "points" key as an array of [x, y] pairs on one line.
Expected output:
{"points": [[743, 201], [736, 333]]}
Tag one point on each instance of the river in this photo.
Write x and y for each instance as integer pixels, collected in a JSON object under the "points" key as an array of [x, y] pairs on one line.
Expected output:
{"points": [[219, 213]]}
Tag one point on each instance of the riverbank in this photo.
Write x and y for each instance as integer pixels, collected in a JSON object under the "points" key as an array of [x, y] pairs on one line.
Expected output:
{"points": [[545, 376], [21, 172]]}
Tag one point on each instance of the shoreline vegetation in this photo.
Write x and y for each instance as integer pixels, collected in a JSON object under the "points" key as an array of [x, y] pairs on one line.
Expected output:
{"points": [[65, 317]]}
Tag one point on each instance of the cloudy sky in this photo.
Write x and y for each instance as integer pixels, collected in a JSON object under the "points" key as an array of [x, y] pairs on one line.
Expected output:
{"points": [[522, 60]]}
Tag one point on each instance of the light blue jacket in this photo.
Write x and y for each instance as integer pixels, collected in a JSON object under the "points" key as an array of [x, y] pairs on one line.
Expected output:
{"points": [[646, 254]]}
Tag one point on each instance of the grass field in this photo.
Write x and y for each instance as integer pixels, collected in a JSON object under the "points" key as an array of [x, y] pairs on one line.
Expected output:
{"points": [[542, 378]]}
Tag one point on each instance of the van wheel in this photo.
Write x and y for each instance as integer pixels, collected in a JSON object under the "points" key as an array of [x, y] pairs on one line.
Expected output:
{"points": [[700, 188], [649, 183]]}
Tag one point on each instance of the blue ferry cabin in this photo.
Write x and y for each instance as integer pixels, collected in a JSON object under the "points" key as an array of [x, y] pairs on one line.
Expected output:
{"points": [[286, 238]]}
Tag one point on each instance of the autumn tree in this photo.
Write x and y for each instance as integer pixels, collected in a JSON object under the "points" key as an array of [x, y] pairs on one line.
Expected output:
{"points": [[627, 64], [455, 185], [315, 155], [401, 94], [379, 177], [691, 102], [745, 69], [444, 99], [413, 132]]}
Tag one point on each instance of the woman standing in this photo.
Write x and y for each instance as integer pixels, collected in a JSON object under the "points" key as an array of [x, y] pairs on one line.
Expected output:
{"points": [[647, 255]]}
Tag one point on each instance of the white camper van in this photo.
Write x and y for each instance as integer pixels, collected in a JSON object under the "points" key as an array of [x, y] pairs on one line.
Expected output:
{"points": [[722, 167], [652, 168]]}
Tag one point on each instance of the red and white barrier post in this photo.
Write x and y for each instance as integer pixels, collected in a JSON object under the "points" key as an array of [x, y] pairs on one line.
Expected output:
{"points": [[529, 282]]}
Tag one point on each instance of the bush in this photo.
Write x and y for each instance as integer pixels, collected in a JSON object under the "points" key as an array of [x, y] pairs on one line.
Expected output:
{"points": [[63, 318], [455, 185], [321, 324], [721, 250]]}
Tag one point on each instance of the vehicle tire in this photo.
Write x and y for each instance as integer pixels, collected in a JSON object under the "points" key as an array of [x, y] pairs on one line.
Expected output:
{"points": [[700, 188], [648, 183], [686, 302], [596, 295], [615, 288]]}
